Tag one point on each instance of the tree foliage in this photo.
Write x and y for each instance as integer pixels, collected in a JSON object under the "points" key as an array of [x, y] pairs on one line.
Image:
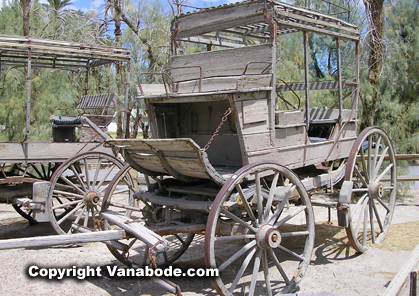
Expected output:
{"points": [[389, 59]]}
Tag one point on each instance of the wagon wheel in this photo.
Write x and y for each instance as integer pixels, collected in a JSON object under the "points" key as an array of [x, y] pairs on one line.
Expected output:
{"points": [[40, 171], [260, 232], [77, 190], [372, 169], [119, 198]]}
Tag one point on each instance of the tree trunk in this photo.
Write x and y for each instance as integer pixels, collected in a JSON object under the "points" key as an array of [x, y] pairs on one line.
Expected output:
{"points": [[26, 12], [375, 15]]}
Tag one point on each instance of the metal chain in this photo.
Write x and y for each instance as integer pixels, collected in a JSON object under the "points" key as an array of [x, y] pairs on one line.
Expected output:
{"points": [[224, 119]]}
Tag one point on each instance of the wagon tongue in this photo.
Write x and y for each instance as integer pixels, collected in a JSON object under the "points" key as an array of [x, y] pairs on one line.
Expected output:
{"points": [[137, 230]]}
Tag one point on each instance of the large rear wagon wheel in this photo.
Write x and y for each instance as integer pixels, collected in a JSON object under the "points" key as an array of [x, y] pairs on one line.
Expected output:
{"points": [[260, 232], [372, 170], [119, 197], [77, 190]]}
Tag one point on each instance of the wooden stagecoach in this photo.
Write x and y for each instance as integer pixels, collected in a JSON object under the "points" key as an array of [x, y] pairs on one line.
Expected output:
{"points": [[227, 161]]}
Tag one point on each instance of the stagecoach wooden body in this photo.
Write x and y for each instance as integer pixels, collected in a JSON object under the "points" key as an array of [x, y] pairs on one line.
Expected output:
{"points": [[225, 161]]}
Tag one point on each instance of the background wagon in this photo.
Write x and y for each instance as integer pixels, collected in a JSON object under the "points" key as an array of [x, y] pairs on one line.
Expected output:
{"points": [[26, 162]]}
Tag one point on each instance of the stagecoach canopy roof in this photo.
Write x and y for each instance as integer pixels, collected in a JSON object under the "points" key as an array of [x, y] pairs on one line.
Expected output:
{"points": [[243, 23], [44, 53]]}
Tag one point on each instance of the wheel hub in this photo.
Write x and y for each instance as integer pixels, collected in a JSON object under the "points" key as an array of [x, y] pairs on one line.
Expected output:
{"points": [[91, 199], [376, 189], [268, 237]]}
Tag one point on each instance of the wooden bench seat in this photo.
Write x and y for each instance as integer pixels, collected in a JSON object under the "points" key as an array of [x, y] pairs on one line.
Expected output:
{"points": [[246, 68]]}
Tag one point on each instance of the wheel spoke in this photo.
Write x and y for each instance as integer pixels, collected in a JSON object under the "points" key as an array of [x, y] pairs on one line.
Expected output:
{"points": [[278, 266], [265, 267], [77, 175], [364, 165], [233, 258], [270, 197], [68, 182], [242, 269], [98, 165], [86, 217], [245, 203], [63, 205], [68, 194], [380, 162], [238, 220], [377, 215], [365, 228], [87, 176], [384, 172], [281, 206], [383, 204], [359, 175], [372, 220], [234, 237], [374, 161], [259, 198], [103, 179], [295, 233], [255, 273], [361, 213], [81, 204], [291, 252], [290, 216], [360, 202], [78, 218]]}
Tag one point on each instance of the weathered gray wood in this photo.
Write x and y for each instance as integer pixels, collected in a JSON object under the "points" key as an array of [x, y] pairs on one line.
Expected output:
{"points": [[228, 62], [255, 142], [14, 152], [179, 203], [397, 284], [314, 86], [294, 118], [172, 156], [218, 19], [254, 111], [135, 229], [55, 240], [39, 200], [188, 166], [149, 162], [98, 101], [218, 42]]}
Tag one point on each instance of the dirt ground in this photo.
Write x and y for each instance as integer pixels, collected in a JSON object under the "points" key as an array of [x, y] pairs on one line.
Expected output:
{"points": [[335, 268]]}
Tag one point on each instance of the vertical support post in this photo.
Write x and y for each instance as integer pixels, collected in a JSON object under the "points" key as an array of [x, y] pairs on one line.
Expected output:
{"points": [[339, 79], [86, 79], [307, 82], [125, 116], [28, 93], [354, 104], [273, 101]]}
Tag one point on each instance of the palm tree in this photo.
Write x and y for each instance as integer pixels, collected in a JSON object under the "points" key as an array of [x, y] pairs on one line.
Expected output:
{"points": [[57, 6]]}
